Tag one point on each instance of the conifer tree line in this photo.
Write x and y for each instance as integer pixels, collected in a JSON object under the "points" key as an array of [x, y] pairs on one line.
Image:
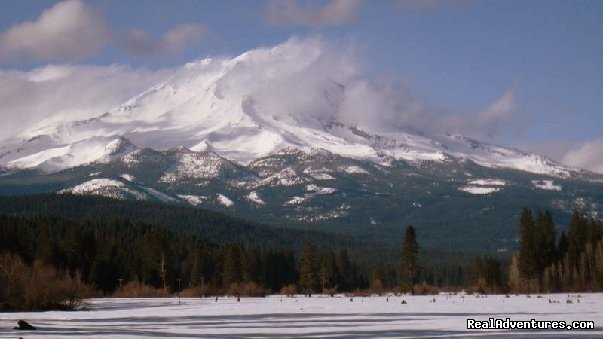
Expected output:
{"points": [[105, 254], [547, 263]]}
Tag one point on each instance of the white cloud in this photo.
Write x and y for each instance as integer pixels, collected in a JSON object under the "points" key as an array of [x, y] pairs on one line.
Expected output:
{"points": [[313, 66], [140, 43], [302, 78], [497, 116], [68, 30], [58, 93], [291, 12], [589, 156]]}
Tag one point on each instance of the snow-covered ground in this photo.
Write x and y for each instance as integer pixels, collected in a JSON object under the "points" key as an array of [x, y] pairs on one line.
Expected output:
{"points": [[318, 316]]}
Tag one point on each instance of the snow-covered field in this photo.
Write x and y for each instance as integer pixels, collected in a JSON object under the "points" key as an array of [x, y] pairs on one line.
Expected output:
{"points": [[318, 316]]}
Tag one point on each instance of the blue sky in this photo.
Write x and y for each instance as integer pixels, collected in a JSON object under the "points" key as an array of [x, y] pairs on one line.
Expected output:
{"points": [[460, 56]]}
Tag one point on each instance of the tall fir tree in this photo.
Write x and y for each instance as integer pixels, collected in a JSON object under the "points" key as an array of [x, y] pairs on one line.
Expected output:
{"points": [[544, 238], [308, 270], [527, 263], [576, 238], [410, 253]]}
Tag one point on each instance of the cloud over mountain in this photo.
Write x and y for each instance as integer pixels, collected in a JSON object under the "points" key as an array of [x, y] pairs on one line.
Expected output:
{"points": [[66, 92], [588, 155], [306, 13], [288, 79]]}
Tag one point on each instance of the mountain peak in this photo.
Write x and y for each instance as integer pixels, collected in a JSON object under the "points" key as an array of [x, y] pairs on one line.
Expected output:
{"points": [[247, 107]]}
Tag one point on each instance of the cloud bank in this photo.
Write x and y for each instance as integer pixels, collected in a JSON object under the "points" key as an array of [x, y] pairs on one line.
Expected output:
{"points": [[326, 80], [296, 13], [301, 78], [70, 30], [588, 155], [60, 93], [330, 76]]}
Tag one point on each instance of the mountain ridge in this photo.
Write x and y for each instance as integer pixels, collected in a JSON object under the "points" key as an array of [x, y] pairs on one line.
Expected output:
{"points": [[226, 106]]}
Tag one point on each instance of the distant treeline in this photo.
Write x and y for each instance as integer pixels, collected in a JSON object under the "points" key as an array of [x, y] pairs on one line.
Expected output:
{"points": [[106, 255], [437, 267], [127, 258], [212, 226]]}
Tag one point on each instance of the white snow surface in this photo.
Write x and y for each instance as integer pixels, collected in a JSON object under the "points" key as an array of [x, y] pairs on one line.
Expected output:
{"points": [[224, 200], [295, 201], [316, 317], [320, 190], [322, 176], [107, 188], [479, 189], [194, 200], [95, 184], [195, 165], [59, 156], [128, 177], [228, 106], [546, 185], [487, 182], [354, 170], [285, 177], [255, 198]]}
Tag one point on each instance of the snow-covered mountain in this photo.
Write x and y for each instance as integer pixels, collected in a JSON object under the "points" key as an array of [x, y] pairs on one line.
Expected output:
{"points": [[246, 108], [287, 136]]}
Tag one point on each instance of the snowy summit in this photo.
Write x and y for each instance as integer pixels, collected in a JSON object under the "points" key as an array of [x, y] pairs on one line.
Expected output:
{"points": [[294, 95]]}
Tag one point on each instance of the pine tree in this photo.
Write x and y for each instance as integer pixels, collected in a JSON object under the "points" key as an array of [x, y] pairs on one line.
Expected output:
{"points": [[410, 252], [563, 246], [527, 263], [576, 238], [544, 238], [344, 278], [231, 266], [308, 270]]}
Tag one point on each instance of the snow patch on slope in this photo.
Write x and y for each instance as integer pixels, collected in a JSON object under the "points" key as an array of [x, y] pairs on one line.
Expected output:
{"points": [[320, 190], [128, 177], [295, 201], [194, 200], [353, 170], [479, 189], [322, 176], [194, 166], [285, 177], [546, 185], [487, 182], [107, 188], [255, 198], [95, 149], [224, 200]]}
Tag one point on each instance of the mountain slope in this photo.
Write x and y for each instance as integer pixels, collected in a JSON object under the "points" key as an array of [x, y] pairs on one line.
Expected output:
{"points": [[256, 137], [229, 107], [453, 203]]}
